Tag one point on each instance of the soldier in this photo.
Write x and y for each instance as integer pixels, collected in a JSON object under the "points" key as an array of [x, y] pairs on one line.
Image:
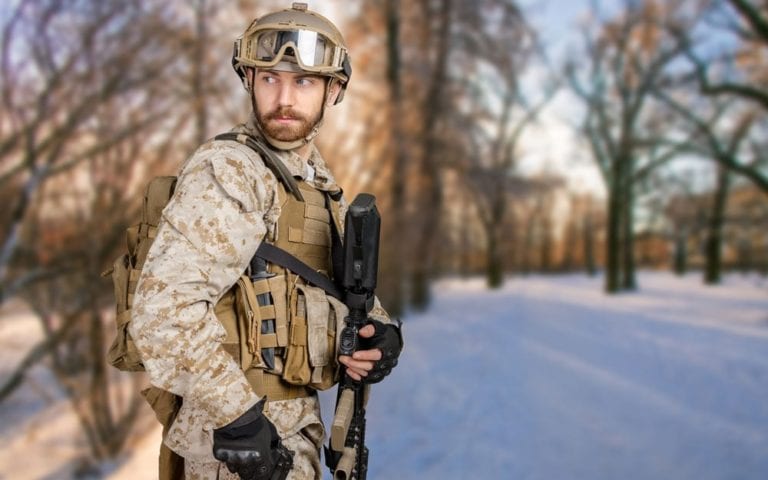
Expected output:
{"points": [[247, 372]]}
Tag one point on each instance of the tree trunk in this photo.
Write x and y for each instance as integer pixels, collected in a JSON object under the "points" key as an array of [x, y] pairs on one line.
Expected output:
{"points": [[495, 265], [430, 175], [612, 244], [589, 245], [527, 244], [681, 254], [494, 269], [713, 247], [394, 270], [628, 280], [545, 247]]}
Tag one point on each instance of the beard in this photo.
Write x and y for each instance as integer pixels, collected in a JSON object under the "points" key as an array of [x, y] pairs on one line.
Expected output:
{"points": [[286, 133]]}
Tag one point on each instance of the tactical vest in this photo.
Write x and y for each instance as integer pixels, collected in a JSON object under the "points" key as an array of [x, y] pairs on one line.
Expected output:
{"points": [[303, 320]]}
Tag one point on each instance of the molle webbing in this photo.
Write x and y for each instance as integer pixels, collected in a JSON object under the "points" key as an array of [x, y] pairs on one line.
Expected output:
{"points": [[304, 227]]}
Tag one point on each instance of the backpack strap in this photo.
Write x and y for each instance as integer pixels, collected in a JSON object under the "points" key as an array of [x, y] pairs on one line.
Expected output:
{"points": [[271, 160]]}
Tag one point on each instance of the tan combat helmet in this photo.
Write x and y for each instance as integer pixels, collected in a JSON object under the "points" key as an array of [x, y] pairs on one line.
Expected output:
{"points": [[316, 46]]}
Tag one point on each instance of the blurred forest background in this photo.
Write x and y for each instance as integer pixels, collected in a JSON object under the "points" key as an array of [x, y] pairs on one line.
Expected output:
{"points": [[633, 135]]}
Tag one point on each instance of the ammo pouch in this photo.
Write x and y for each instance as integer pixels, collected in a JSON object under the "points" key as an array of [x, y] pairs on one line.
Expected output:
{"points": [[310, 357]]}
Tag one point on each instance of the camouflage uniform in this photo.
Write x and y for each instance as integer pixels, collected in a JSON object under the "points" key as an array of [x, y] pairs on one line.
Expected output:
{"points": [[224, 205]]}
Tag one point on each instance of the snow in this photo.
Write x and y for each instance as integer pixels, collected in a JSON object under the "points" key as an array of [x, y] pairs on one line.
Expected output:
{"points": [[546, 378]]}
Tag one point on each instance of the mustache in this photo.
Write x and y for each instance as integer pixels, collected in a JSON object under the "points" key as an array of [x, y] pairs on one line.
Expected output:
{"points": [[284, 112]]}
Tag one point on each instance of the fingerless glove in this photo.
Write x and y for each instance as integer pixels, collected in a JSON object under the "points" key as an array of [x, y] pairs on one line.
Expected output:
{"points": [[387, 338]]}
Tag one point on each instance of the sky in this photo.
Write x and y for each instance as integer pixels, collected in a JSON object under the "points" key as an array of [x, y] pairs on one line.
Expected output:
{"points": [[552, 144]]}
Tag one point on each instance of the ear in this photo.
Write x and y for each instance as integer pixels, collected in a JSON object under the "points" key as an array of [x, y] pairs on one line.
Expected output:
{"points": [[334, 88], [248, 80]]}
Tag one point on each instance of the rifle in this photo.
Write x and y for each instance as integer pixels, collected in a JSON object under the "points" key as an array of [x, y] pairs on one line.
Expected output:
{"points": [[347, 455]]}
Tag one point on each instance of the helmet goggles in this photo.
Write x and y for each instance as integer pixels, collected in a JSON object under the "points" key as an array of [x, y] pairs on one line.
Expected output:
{"points": [[312, 50]]}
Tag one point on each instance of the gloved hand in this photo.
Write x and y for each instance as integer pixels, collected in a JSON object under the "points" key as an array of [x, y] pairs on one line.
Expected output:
{"points": [[251, 447], [389, 340]]}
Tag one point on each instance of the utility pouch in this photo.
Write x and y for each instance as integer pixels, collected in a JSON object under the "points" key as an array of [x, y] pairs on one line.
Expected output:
{"points": [[310, 357], [235, 315], [242, 316], [297, 371]]}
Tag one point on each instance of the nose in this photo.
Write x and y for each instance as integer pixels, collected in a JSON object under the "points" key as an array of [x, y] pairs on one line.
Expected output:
{"points": [[286, 96]]}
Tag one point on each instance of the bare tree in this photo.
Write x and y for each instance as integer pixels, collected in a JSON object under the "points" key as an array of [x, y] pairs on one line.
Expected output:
{"points": [[741, 73], [725, 114], [395, 74], [88, 112], [430, 183], [627, 57], [492, 114], [739, 88]]}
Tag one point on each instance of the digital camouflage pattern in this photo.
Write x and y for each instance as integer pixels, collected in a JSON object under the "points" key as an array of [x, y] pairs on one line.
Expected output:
{"points": [[225, 203]]}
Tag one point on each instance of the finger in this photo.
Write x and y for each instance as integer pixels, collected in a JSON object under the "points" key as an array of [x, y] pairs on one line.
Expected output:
{"points": [[372, 355], [367, 331], [354, 375], [359, 365]]}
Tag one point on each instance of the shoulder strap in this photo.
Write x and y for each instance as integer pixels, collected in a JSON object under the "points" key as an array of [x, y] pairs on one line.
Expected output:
{"points": [[278, 256], [270, 159], [337, 244]]}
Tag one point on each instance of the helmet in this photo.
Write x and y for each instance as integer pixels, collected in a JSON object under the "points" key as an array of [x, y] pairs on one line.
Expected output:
{"points": [[316, 45]]}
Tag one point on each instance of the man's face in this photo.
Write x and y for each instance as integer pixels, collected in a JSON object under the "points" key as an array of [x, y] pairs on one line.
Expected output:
{"points": [[288, 104]]}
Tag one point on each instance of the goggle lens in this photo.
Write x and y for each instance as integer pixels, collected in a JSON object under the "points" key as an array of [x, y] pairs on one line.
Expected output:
{"points": [[313, 49]]}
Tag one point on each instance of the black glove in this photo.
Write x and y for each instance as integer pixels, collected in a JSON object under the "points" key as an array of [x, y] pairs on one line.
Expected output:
{"points": [[251, 447], [389, 340]]}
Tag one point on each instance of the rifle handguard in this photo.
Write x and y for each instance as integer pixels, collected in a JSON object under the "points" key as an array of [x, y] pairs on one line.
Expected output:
{"points": [[345, 409]]}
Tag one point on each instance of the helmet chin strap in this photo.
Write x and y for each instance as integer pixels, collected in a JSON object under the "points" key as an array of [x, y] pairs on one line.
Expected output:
{"points": [[280, 144]]}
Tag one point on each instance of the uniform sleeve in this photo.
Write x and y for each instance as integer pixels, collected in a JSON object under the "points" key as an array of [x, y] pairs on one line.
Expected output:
{"points": [[208, 233]]}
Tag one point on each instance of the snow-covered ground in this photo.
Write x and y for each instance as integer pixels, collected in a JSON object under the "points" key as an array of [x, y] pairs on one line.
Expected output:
{"points": [[546, 378], [550, 379]]}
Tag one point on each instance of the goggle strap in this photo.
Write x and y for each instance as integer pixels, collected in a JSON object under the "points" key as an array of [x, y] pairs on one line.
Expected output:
{"points": [[336, 56]]}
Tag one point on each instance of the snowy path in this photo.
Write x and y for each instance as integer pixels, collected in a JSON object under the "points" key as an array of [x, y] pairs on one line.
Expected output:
{"points": [[549, 379]]}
